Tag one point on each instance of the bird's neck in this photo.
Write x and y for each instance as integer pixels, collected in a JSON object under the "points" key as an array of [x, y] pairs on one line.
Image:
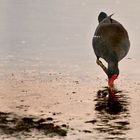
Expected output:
{"points": [[113, 67]]}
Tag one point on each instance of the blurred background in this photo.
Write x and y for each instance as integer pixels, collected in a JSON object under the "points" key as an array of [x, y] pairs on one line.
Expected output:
{"points": [[40, 34]]}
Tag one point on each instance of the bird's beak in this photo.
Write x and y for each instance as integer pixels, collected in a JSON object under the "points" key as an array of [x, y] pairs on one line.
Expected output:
{"points": [[111, 80]]}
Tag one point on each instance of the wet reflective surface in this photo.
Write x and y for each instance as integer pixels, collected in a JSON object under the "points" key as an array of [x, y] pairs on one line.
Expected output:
{"points": [[113, 116]]}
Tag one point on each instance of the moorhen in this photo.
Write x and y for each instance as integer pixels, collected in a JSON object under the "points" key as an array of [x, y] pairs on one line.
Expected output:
{"points": [[110, 42]]}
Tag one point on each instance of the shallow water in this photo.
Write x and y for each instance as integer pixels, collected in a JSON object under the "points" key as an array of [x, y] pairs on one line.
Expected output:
{"points": [[47, 67]]}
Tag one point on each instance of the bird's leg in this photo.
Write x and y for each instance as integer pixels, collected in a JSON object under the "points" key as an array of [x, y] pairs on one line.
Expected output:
{"points": [[101, 65]]}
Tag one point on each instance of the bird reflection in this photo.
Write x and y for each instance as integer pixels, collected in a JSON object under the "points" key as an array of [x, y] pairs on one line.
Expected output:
{"points": [[112, 114], [109, 104]]}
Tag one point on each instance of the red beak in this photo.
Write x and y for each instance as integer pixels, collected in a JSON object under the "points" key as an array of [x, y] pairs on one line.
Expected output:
{"points": [[111, 80]]}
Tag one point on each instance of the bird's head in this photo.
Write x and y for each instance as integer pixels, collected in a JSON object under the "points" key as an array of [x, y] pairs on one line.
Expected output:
{"points": [[102, 16], [112, 75]]}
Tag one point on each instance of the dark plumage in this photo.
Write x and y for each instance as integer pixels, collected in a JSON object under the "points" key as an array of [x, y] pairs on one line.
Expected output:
{"points": [[110, 42]]}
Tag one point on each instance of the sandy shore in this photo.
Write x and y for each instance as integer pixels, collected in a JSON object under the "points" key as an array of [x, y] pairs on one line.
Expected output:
{"points": [[65, 101]]}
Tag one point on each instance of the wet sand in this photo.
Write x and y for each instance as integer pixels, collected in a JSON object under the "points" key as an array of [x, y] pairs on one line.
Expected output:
{"points": [[49, 81], [72, 102]]}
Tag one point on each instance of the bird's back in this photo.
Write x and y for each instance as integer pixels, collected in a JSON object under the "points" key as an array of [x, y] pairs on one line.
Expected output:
{"points": [[110, 40]]}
